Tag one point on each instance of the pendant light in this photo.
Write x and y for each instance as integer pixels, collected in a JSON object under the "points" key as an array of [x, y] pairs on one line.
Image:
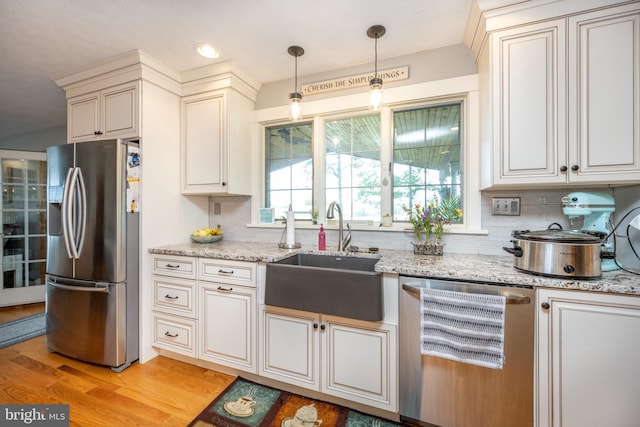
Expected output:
{"points": [[295, 98], [375, 84]]}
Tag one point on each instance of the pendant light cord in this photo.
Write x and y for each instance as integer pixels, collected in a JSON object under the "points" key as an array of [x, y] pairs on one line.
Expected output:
{"points": [[375, 71], [295, 81]]}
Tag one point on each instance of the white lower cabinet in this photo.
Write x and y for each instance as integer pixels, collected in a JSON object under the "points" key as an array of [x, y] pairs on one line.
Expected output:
{"points": [[174, 304], [177, 334], [206, 309], [227, 299], [346, 358], [588, 348], [227, 319], [289, 346]]}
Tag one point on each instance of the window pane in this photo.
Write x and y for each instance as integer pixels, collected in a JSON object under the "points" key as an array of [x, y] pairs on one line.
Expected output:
{"points": [[427, 156], [352, 174], [289, 167]]}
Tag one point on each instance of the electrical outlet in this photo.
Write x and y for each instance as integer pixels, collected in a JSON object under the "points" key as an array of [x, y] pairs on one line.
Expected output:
{"points": [[505, 206]]}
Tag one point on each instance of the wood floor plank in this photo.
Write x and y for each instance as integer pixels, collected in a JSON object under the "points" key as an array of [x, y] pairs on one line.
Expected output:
{"points": [[128, 405], [96, 381], [161, 392], [97, 411], [171, 398], [17, 311]]}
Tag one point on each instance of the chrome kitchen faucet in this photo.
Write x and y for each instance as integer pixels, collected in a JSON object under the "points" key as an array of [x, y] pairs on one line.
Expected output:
{"points": [[342, 243]]}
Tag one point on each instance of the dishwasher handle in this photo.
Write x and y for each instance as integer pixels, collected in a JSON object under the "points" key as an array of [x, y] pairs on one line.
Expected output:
{"points": [[510, 299]]}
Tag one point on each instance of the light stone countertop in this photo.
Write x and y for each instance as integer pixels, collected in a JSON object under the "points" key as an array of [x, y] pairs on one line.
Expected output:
{"points": [[477, 268]]}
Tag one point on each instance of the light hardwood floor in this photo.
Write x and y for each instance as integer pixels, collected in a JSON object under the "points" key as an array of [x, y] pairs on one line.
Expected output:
{"points": [[161, 392]]}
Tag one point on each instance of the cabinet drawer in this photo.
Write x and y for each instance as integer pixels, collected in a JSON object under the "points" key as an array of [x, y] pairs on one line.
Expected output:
{"points": [[174, 265], [176, 296], [175, 333], [227, 271]]}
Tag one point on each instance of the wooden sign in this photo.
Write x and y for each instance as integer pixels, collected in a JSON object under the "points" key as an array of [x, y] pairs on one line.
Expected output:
{"points": [[349, 82]]}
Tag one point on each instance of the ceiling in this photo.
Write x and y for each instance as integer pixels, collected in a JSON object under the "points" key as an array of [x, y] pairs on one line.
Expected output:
{"points": [[41, 40]]}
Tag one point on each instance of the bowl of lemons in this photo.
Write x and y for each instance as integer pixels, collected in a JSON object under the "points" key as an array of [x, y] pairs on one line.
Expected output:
{"points": [[207, 235]]}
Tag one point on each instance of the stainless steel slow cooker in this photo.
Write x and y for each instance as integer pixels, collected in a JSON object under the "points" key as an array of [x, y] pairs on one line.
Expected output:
{"points": [[557, 253]]}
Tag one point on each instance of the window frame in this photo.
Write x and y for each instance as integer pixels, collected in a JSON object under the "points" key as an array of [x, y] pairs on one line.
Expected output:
{"points": [[265, 160], [463, 146], [464, 89]]}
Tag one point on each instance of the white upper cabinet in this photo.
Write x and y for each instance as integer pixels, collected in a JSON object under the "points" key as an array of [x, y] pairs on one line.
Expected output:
{"points": [[604, 89], [560, 101], [217, 112], [109, 113], [527, 95]]}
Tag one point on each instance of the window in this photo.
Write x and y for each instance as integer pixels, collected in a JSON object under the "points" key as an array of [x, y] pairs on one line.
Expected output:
{"points": [[352, 166], [289, 166], [427, 153], [23, 212], [373, 163]]}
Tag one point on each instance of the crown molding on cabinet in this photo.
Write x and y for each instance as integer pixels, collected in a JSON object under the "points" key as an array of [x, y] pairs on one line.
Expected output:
{"points": [[484, 17], [136, 65]]}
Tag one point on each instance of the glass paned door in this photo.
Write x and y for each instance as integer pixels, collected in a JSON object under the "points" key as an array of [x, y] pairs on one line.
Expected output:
{"points": [[24, 234]]}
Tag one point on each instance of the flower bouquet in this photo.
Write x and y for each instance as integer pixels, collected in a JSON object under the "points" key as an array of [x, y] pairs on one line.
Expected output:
{"points": [[430, 221]]}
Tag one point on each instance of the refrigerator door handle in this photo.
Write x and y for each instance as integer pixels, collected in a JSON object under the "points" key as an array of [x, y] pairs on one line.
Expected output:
{"points": [[98, 288], [66, 212], [82, 213], [76, 213], [71, 220]]}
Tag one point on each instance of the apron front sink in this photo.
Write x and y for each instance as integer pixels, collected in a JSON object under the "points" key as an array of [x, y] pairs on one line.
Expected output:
{"points": [[336, 285]]}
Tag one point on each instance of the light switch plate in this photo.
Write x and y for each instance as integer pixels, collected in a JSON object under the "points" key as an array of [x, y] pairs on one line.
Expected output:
{"points": [[505, 206]]}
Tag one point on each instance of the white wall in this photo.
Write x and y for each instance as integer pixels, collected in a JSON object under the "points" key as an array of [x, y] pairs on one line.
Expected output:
{"points": [[539, 209], [36, 141], [426, 66], [166, 215]]}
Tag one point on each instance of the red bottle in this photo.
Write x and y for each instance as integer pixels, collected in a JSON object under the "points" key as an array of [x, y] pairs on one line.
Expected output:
{"points": [[322, 239]]}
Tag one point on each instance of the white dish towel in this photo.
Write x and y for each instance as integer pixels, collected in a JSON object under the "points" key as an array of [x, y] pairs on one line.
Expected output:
{"points": [[463, 326]]}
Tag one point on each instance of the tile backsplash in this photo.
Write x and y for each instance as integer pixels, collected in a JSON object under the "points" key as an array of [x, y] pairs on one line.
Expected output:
{"points": [[538, 209]]}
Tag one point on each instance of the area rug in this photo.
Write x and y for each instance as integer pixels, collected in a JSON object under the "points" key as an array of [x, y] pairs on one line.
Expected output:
{"points": [[22, 329], [247, 404]]}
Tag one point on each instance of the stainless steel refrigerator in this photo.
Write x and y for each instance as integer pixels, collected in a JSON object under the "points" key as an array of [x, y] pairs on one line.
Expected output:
{"points": [[92, 252]]}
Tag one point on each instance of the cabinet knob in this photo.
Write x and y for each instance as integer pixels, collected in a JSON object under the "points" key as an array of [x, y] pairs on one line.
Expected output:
{"points": [[97, 132], [563, 168], [315, 326], [545, 305], [575, 168], [323, 327], [224, 183]]}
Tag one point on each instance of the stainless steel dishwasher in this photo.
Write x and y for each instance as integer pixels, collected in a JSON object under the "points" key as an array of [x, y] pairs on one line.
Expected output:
{"points": [[440, 392]]}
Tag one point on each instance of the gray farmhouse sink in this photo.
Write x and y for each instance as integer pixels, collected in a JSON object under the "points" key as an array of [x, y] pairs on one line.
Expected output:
{"points": [[336, 285]]}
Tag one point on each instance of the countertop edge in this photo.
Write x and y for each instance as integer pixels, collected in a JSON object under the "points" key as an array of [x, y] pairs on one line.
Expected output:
{"points": [[492, 269]]}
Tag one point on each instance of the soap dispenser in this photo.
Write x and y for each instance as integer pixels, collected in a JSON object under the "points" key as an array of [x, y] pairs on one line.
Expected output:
{"points": [[322, 239]]}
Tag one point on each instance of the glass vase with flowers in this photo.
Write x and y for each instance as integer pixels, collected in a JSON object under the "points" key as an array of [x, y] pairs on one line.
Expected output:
{"points": [[422, 225], [444, 212], [429, 222]]}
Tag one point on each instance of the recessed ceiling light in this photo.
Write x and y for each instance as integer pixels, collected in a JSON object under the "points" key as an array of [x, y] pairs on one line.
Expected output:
{"points": [[206, 50]]}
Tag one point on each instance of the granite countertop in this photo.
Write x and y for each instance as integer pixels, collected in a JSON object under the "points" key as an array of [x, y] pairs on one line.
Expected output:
{"points": [[478, 268]]}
